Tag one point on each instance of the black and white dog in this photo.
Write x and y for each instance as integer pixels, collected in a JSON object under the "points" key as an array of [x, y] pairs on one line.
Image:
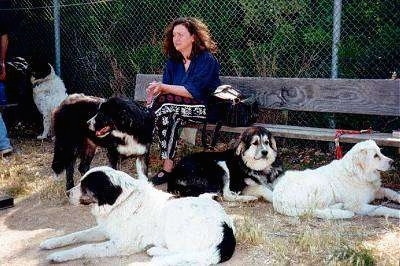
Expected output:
{"points": [[133, 216], [48, 92], [123, 123], [248, 169], [43, 86], [131, 124]]}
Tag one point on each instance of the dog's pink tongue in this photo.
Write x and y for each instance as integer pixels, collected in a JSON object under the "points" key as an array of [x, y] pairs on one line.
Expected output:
{"points": [[102, 131]]}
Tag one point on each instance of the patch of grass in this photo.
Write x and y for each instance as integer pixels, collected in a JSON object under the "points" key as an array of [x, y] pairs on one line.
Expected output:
{"points": [[249, 231], [54, 191], [309, 241], [354, 256], [24, 172], [15, 180]]}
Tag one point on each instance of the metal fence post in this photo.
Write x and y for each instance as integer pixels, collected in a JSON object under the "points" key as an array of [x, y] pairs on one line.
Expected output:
{"points": [[337, 13], [57, 50]]}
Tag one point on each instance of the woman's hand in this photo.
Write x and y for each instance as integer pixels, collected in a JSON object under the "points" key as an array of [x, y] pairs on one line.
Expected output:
{"points": [[161, 88], [156, 87], [152, 91]]}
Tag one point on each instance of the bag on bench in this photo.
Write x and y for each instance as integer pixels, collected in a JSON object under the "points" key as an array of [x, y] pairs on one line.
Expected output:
{"points": [[230, 107]]}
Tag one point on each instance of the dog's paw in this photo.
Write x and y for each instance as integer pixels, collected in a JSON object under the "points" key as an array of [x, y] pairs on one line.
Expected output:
{"points": [[249, 198], [57, 257], [41, 137], [239, 198], [157, 251], [346, 214], [49, 244], [57, 177]]}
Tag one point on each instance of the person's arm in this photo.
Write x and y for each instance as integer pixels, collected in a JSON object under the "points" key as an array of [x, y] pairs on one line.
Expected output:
{"points": [[206, 69], [160, 88], [3, 53]]}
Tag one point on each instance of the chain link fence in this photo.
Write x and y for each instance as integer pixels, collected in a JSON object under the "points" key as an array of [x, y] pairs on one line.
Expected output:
{"points": [[105, 43]]}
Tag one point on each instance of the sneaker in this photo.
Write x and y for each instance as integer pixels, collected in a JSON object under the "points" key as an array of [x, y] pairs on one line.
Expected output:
{"points": [[6, 151], [160, 178]]}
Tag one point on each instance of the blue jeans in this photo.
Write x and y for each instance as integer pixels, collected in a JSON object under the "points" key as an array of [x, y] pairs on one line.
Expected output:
{"points": [[4, 140]]}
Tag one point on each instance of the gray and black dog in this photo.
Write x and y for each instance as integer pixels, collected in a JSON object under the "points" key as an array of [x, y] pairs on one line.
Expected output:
{"points": [[243, 173]]}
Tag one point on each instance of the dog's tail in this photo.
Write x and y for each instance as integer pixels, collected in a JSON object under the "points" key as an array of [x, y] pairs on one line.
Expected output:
{"points": [[209, 256]]}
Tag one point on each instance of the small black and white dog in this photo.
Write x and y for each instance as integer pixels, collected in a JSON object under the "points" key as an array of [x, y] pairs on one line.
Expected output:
{"points": [[117, 125], [48, 92], [43, 86], [249, 169], [132, 216]]}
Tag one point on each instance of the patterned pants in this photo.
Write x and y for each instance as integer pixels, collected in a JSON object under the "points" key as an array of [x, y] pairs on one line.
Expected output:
{"points": [[173, 112]]}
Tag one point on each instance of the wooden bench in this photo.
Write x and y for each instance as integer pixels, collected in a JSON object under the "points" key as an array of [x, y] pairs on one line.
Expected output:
{"points": [[348, 96]]}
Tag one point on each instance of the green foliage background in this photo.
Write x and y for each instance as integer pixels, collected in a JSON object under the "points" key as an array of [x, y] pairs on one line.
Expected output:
{"points": [[104, 43], [274, 38]]}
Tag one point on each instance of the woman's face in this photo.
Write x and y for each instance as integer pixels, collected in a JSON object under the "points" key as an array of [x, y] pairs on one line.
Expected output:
{"points": [[182, 39]]}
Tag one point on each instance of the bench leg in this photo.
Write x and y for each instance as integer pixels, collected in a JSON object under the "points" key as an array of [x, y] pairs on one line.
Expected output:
{"points": [[216, 134], [204, 135]]}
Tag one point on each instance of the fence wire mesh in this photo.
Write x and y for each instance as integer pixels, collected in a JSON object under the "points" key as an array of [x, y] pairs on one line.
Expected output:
{"points": [[105, 43]]}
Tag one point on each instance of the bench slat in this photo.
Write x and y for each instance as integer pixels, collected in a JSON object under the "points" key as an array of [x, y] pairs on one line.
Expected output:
{"points": [[354, 96], [321, 134]]}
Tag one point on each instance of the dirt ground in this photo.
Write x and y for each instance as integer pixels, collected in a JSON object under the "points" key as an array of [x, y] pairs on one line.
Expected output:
{"points": [[264, 237]]}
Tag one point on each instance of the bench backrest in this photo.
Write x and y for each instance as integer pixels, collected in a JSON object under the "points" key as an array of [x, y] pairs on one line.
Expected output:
{"points": [[355, 96]]}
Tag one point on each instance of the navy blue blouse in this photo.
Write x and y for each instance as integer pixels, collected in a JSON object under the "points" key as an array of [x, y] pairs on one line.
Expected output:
{"points": [[201, 78]]}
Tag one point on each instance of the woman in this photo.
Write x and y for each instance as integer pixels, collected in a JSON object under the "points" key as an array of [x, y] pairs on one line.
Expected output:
{"points": [[190, 75]]}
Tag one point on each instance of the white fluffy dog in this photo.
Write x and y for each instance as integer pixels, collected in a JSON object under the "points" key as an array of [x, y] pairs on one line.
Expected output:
{"points": [[132, 216], [340, 189], [48, 92]]}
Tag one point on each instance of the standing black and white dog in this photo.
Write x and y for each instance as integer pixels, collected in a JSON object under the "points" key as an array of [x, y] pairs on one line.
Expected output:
{"points": [[131, 124], [120, 125], [48, 92], [249, 169], [133, 216]]}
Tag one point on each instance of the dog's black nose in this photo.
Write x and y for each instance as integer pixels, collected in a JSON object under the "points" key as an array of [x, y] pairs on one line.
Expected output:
{"points": [[264, 152]]}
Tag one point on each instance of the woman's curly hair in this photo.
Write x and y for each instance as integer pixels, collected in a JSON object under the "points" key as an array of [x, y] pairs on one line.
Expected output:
{"points": [[202, 38]]}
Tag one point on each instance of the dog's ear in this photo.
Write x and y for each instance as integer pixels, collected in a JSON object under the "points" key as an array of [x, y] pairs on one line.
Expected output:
{"points": [[359, 159], [240, 148], [103, 190], [273, 143]]}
